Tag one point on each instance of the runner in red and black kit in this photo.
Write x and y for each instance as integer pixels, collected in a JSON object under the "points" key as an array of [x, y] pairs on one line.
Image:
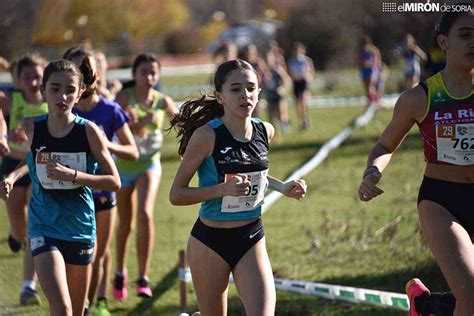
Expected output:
{"points": [[443, 108]]}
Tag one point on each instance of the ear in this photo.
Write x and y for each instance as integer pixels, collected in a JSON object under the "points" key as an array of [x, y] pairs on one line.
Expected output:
{"points": [[42, 90], [218, 96], [79, 95], [442, 41]]}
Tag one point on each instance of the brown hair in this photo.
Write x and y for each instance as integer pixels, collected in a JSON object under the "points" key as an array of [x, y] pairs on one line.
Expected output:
{"points": [[84, 72], [197, 112]]}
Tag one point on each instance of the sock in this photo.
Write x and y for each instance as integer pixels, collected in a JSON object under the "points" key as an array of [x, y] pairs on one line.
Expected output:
{"points": [[29, 284], [120, 273], [441, 304]]}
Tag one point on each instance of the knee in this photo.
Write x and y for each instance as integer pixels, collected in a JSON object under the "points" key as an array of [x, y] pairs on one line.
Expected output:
{"points": [[145, 216], [125, 227]]}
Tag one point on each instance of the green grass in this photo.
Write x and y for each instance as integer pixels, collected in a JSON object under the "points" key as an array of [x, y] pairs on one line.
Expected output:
{"points": [[350, 251]]}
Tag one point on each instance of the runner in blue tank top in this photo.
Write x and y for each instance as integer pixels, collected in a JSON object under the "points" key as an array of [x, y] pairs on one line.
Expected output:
{"points": [[64, 151], [229, 150], [112, 120]]}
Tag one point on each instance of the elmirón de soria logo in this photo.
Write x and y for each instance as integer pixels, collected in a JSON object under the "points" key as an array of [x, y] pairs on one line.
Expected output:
{"points": [[428, 6]]}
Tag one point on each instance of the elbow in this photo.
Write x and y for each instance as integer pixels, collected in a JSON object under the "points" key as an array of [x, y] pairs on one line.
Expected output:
{"points": [[135, 154], [174, 198], [116, 184]]}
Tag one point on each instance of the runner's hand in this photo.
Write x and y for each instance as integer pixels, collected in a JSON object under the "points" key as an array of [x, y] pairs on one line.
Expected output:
{"points": [[368, 189], [295, 189], [55, 170], [238, 185], [18, 135], [5, 188]]}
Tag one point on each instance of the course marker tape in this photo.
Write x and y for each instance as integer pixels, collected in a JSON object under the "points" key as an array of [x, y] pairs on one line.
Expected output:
{"points": [[330, 291], [322, 154]]}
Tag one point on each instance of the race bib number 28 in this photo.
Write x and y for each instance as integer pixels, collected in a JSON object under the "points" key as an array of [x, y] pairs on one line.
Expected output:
{"points": [[455, 143], [252, 199], [77, 161]]}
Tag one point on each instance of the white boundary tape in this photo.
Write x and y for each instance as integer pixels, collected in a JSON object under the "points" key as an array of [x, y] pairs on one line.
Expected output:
{"points": [[330, 291], [323, 152]]}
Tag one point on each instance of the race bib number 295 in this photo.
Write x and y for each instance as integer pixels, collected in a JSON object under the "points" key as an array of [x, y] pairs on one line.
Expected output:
{"points": [[252, 199]]}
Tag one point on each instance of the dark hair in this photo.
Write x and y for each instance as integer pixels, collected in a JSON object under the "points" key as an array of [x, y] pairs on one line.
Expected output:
{"points": [[84, 72], [448, 19], [195, 113], [83, 53], [28, 60], [144, 57]]}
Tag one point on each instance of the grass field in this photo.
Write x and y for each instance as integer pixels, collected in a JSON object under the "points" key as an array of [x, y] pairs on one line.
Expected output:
{"points": [[328, 237]]}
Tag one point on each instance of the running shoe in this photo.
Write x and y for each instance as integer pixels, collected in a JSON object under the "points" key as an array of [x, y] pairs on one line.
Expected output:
{"points": [[101, 309], [120, 291], [14, 244], [28, 296], [87, 311], [415, 288], [143, 290]]}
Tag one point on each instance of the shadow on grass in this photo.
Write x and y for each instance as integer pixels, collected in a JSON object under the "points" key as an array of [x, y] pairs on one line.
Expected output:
{"points": [[146, 305]]}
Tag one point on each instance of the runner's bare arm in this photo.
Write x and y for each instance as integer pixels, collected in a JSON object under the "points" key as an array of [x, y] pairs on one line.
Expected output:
{"points": [[409, 109], [127, 149], [294, 188]]}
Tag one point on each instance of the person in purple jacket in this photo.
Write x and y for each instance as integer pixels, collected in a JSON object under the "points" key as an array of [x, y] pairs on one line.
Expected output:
{"points": [[112, 120]]}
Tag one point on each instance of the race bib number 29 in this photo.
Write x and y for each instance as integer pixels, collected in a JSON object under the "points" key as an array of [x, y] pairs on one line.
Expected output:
{"points": [[252, 199], [77, 161], [455, 143]]}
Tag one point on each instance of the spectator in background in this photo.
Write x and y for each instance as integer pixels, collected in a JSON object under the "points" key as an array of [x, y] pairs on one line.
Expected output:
{"points": [[250, 54], [412, 54], [301, 70], [275, 93], [369, 61]]}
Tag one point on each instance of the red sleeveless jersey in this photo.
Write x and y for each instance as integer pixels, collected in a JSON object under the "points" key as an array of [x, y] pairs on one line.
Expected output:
{"points": [[448, 126]]}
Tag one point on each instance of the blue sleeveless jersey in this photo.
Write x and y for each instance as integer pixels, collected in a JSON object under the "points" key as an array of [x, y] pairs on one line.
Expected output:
{"points": [[231, 156], [65, 214]]}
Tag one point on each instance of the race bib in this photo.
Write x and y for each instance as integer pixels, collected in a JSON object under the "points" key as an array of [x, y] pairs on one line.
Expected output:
{"points": [[253, 198], [77, 161], [150, 143], [455, 143]]}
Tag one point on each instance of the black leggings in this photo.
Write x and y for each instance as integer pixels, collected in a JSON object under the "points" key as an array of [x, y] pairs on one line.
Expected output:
{"points": [[231, 244]]}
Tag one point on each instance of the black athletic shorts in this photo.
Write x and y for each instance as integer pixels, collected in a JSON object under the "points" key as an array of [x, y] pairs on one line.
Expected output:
{"points": [[231, 244], [455, 197]]}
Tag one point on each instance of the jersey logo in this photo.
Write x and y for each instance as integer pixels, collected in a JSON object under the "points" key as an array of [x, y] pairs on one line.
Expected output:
{"points": [[225, 150]]}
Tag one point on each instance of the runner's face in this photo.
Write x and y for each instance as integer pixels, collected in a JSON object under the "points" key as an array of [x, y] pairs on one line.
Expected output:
{"points": [[459, 44], [61, 92], [30, 79], [147, 74], [239, 93]]}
